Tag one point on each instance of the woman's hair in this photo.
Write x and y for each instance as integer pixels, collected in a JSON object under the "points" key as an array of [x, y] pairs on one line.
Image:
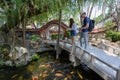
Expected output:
{"points": [[71, 22]]}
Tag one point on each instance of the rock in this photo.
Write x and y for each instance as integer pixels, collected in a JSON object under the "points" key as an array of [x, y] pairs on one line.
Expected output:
{"points": [[20, 56], [93, 39], [2, 37], [118, 42], [2, 56], [94, 44], [20, 63], [17, 52], [8, 63]]}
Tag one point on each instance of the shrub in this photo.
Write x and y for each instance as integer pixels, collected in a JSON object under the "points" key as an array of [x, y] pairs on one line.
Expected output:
{"points": [[33, 37], [113, 35], [54, 36], [5, 50], [67, 33], [36, 57]]}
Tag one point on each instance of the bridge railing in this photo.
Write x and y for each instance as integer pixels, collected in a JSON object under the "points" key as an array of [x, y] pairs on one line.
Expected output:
{"points": [[110, 48], [105, 46], [90, 62]]}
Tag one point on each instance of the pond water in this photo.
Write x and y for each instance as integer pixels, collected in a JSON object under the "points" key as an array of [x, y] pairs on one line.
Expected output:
{"points": [[48, 68]]}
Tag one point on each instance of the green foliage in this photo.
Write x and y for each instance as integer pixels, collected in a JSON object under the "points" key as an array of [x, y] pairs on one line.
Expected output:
{"points": [[97, 19], [5, 49], [16, 11], [36, 57], [13, 13], [33, 37], [109, 23], [55, 36], [67, 33], [101, 17], [113, 35]]}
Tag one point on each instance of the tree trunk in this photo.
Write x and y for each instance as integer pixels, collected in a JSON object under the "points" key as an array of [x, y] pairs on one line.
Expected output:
{"points": [[58, 39], [13, 37], [91, 9], [79, 10], [24, 32], [88, 8], [118, 17]]}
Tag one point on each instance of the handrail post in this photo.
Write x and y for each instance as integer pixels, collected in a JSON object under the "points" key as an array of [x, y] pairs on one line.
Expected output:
{"points": [[73, 48], [73, 59], [118, 74], [118, 53], [64, 44], [91, 60], [103, 44]]}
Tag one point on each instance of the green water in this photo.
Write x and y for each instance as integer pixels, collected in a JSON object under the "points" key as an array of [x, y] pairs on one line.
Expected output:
{"points": [[48, 68]]}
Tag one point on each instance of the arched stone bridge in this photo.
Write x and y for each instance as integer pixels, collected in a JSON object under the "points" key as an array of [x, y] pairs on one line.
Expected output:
{"points": [[53, 22], [45, 28]]}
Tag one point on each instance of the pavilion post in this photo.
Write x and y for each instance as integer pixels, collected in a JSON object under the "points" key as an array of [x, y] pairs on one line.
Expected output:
{"points": [[58, 39]]}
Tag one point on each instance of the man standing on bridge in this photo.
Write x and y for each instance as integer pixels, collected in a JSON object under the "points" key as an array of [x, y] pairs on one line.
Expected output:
{"points": [[84, 29]]}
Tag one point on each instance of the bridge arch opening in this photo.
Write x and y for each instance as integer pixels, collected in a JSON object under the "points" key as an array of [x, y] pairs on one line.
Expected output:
{"points": [[51, 28]]}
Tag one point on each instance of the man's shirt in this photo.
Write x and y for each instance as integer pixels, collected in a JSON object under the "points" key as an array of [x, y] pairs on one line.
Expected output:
{"points": [[85, 22]]}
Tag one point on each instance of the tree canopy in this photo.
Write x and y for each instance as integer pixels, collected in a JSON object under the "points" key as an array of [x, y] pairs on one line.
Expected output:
{"points": [[13, 12]]}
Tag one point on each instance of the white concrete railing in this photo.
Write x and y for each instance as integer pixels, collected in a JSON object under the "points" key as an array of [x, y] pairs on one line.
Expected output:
{"points": [[110, 48], [90, 63], [49, 41]]}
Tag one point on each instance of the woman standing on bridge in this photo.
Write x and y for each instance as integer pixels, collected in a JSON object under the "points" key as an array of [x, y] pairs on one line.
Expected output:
{"points": [[73, 29]]}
